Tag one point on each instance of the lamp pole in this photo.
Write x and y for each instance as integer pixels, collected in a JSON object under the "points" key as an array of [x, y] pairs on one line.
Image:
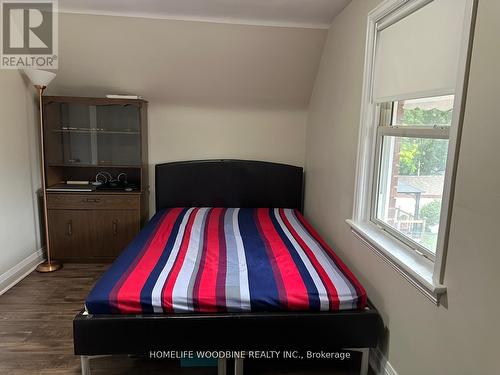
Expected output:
{"points": [[50, 265]]}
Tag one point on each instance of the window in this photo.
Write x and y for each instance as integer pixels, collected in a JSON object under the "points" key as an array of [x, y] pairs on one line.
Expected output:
{"points": [[413, 91], [412, 151]]}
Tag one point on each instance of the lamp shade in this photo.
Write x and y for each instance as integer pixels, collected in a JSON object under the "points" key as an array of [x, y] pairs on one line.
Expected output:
{"points": [[39, 77]]}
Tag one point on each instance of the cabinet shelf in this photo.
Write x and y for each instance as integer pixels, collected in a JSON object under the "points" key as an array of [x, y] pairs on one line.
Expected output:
{"points": [[95, 130], [98, 165]]}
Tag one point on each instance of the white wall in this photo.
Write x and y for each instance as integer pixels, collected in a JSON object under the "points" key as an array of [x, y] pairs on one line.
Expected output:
{"points": [[183, 133], [215, 90], [461, 338], [19, 233], [191, 133]]}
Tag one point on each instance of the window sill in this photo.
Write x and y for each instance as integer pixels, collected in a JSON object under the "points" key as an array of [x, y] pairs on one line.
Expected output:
{"points": [[415, 268]]}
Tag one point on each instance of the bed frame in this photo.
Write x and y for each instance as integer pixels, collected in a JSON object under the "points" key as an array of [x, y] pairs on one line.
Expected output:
{"points": [[227, 183]]}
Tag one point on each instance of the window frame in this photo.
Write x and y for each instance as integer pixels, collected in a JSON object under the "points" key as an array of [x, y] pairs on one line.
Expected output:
{"points": [[425, 272]]}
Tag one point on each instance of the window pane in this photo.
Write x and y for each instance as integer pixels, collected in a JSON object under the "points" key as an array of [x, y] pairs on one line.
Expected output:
{"points": [[410, 187], [423, 112]]}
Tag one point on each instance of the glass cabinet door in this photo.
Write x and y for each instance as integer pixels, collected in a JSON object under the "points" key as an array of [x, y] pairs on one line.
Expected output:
{"points": [[118, 135], [69, 137], [84, 134]]}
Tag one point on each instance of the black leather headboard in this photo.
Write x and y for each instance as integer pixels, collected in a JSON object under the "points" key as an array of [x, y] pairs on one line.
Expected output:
{"points": [[228, 183]]}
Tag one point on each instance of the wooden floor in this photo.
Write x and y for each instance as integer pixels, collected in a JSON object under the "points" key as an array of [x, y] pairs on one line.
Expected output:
{"points": [[36, 333]]}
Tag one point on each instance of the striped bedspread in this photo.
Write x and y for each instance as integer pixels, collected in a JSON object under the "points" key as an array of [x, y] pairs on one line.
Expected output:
{"points": [[226, 259]]}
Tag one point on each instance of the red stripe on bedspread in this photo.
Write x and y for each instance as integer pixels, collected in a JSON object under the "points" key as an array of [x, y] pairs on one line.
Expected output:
{"points": [[128, 296], [291, 287]]}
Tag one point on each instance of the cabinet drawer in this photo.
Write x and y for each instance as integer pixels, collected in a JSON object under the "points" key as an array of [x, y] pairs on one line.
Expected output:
{"points": [[93, 201]]}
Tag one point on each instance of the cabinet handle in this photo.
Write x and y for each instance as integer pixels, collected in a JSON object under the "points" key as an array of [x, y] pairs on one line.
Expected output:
{"points": [[92, 200], [70, 228], [115, 227]]}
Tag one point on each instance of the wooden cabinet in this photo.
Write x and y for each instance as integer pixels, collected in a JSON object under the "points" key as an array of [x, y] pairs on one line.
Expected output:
{"points": [[85, 138], [87, 228]]}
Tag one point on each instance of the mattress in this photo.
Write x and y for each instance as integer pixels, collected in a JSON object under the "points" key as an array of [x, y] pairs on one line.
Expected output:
{"points": [[208, 260]]}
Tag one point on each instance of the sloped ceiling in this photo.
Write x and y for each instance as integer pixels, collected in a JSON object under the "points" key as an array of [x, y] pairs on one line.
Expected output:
{"points": [[189, 63], [305, 13]]}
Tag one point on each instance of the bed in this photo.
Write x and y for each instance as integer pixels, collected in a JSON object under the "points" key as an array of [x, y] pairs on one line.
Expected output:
{"points": [[228, 263]]}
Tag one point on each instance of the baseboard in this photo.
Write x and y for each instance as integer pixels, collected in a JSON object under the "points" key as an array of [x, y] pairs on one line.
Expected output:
{"points": [[380, 364], [12, 276]]}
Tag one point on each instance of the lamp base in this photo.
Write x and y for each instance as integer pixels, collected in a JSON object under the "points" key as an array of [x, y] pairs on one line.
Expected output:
{"points": [[44, 267]]}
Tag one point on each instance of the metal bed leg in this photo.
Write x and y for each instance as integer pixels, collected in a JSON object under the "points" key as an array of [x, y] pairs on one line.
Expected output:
{"points": [[365, 359], [85, 361], [222, 366], [238, 366]]}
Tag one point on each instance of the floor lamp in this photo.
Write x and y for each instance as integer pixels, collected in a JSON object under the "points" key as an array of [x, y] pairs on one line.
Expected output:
{"points": [[40, 79]]}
